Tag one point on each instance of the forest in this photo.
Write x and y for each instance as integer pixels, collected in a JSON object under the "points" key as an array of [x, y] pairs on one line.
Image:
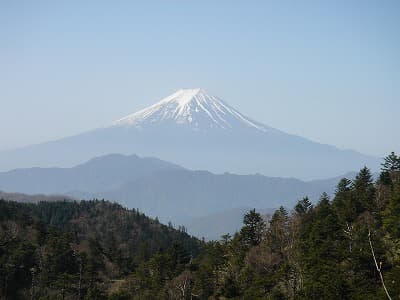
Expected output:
{"points": [[347, 247]]}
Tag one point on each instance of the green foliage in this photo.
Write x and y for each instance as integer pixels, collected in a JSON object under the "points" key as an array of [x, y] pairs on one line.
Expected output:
{"points": [[391, 163], [99, 250], [316, 252], [76, 250], [391, 215], [253, 228], [303, 206]]}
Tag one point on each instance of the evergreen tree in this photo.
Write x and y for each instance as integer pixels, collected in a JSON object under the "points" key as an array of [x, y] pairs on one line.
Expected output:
{"points": [[303, 206], [364, 191], [391, 163], [344, 248], [323, 278], [253, 228]]}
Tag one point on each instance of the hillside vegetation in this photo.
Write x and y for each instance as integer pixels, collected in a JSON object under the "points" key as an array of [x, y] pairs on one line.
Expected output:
{"points": [[347, 247], [80, 250]]}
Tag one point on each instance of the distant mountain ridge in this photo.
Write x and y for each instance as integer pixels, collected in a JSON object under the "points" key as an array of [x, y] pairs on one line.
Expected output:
{"points": [[96, 175], [186, 194], [214, 226], [198, 131], [165, 190], [19, 197]]}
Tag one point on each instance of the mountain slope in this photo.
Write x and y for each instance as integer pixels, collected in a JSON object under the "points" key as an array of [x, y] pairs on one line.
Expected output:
{"points": [[162, 189], [98, 174], [198, 131], [166, 190], [214, 226], [180, 195], [84, 246], [193, 108], [19, 197]]}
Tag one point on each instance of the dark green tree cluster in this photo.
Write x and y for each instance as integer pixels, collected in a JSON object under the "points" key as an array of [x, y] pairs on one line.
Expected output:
{"points": [[83, 250], [347, 247]]}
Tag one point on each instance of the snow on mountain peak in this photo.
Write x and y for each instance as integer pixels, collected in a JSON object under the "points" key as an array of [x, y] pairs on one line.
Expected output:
{"points": [[192, 107]]}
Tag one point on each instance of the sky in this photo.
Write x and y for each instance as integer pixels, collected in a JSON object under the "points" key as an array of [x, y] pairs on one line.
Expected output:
{"points": [[325, 70]]}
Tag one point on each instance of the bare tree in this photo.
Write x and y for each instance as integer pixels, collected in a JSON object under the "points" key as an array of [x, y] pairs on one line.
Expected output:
{"points": [[349, 232], [378, 267], [182, 287]]}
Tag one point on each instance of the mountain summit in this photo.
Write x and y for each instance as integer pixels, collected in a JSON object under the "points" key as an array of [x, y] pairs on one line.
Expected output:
{"points": [[198, 131], [194, 108]]}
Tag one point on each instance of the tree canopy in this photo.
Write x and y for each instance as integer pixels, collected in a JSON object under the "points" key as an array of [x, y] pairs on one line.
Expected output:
{"points": [[341, 247]]}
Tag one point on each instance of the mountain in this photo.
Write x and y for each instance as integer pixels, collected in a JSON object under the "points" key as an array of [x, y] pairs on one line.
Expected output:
{"points": [[214, 226], [84, 246], [193, 109], [181, 195], [101, 250], [166, 190], [199, 131], [19, 197], [96, 175]]}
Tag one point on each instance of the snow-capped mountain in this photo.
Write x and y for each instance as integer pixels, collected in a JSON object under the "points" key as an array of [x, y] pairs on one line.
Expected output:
{"points": [[194, 108], [198, 131]]}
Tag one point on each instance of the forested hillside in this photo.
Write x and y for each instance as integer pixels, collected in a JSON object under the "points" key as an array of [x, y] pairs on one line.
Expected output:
{"points": [[81, 250], [165, 190], [347, 247]]}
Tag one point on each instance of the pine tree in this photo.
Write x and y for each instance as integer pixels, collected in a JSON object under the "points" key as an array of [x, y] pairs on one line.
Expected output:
{"points": [[364, 191], [391, 163], [253, 228], [303, 206]]}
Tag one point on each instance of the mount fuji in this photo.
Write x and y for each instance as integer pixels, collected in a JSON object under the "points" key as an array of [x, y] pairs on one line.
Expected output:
{"points": [[194, 109], [198, 131]]}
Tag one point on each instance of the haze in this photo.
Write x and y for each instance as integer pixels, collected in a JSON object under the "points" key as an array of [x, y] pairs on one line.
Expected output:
{"points": [[325, 71]]}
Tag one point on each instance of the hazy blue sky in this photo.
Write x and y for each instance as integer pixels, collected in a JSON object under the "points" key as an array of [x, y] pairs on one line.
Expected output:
{"points": [[325, 70]]}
